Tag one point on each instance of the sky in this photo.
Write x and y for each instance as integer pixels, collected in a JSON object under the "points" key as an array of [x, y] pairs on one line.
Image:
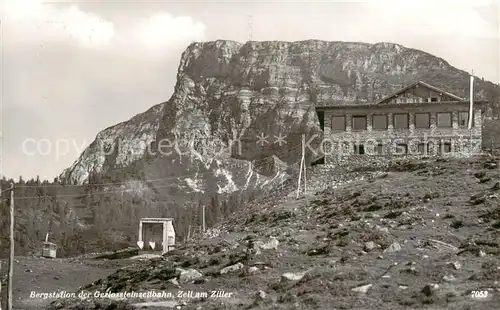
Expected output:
{"points": [[70, 69]]}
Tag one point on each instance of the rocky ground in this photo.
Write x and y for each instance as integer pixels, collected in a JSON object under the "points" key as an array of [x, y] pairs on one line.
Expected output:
{"points": [[422, 235]]}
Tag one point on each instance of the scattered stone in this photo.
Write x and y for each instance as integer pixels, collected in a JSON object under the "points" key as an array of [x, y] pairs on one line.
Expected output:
{"points": [[271, 244], [449, 278], [292, 276], [477, 199], [480, 174], [362, 289], [189, 275], [369, 246], [174, 281], [231, 268], [253, 269], [403, 287], [411, 270], [430, 289], [261, 294], [485, 180], [442, 245], [482, 253], [383, 175], [394, 247], [145, 256], [490, 165], [456, 265], [382, 229], [386, 276]]}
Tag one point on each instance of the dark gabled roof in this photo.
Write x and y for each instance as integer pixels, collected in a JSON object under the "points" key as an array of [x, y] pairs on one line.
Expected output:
{"points": [[402, 90], [328, 106]]}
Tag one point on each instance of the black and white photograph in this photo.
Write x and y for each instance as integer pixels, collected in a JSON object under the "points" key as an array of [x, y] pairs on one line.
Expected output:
{"points": [[239, 154]]}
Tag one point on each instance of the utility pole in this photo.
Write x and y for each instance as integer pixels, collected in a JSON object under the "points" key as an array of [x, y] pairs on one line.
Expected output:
{"points": [[11, 258], [304, 160], [203, 219], [471, 108], [1, 202], [301, 166]]}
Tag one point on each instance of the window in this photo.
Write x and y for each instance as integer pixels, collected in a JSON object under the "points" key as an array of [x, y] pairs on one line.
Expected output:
{"points": [[434, 99], [401, 149], [359, 122], [338, 123], [379, 149], [321, 118], [431, 148], [344, 147], [444, 119], [422, 149], [422, 120], [401, 121], [379, 121], [359, 149], [463, 119], [446, 148]]}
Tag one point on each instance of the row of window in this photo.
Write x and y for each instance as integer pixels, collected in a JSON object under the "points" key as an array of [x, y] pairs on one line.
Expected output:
{"points": [[402, 149], [400, 121]]}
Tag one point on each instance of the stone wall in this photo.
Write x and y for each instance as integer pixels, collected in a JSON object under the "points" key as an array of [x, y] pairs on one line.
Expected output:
{"points": [[339, 147], [321, 177]]}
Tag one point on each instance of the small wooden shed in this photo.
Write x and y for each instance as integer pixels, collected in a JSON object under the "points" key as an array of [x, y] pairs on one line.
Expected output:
{"points": [[167, 236]]}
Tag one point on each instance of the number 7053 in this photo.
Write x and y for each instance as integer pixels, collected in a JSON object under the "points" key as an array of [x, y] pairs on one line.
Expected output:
{"points": [[479, 294]]}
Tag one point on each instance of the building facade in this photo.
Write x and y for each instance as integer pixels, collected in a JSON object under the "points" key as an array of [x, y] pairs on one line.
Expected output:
{"points": [[418, 120]]}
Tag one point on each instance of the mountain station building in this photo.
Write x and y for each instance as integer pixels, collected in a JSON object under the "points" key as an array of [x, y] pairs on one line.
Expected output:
{"points": [[418, 120]]}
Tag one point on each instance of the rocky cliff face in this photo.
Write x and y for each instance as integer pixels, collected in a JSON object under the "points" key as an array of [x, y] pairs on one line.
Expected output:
{"points": [[238, 111], [116, 146]]}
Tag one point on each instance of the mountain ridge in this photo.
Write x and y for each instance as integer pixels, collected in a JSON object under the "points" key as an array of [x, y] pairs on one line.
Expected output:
{"points": [[224, 85]]}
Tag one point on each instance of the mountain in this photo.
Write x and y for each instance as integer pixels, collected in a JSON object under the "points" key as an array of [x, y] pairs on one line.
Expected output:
{"points": [[233, 127], [202, 147], [228, 94]]}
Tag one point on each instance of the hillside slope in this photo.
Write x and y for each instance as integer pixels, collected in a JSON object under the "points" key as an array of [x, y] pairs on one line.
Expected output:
{"points": [[422, 235]]}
